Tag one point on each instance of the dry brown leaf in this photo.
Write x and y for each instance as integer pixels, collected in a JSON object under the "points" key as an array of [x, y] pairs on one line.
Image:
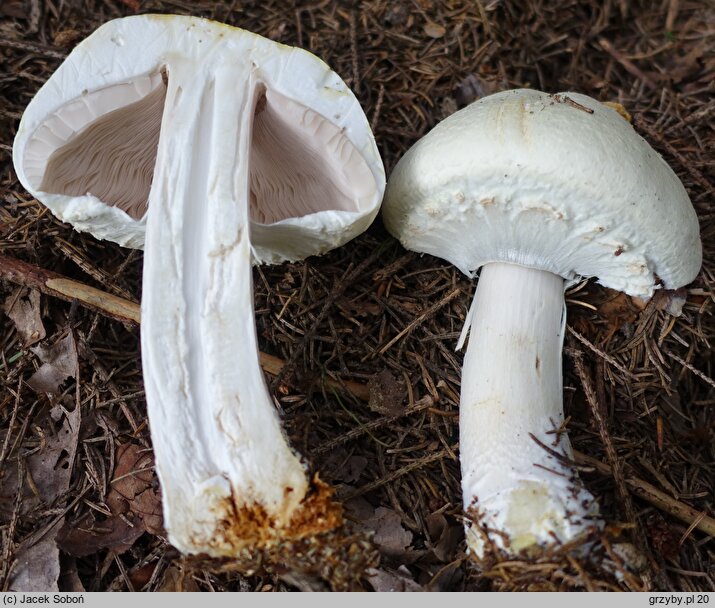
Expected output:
{"points": [[133, 474], [59, 362], [23, 308], [445, 537], [473, 87], [88, 535], [134, 487], [49, 469], [434, 30], [619, 310], [387, 580], [176, 580], [135, 504], [671, 301], [37, 564], [390, 536], [148, 506], [66, 38]]}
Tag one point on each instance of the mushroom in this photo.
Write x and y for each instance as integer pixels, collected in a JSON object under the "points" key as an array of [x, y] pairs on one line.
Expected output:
{"points": [[534, 189], [211, 147]]}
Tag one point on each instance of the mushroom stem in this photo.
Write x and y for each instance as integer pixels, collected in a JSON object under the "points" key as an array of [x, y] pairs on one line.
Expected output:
{"points": [[514, 490], [229, 478]]}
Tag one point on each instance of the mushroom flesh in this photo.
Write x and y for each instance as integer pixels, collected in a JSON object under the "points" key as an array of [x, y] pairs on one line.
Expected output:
{"points": [[211, 148]]}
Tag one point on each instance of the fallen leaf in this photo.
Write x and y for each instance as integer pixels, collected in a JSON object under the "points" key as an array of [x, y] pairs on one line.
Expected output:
{"points": [[59, 362], [50, 469], [619, 310], [148, 506], [88, 536], [390, 536], [37, 565], [23, 308], [133, 474], [473, 87], [134, 502], [175, 579], [66, 38], [142, 575], [445, 538], [434, 30], [671, 301], [385, 580]]}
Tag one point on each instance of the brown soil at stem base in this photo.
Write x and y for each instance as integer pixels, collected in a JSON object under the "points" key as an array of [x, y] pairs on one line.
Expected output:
{"points": [[334, 560], [252, 527]]}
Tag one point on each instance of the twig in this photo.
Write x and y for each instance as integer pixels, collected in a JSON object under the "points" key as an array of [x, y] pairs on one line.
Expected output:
{"points": [[418, 320], [422, 404], [417, 464], [599, 352], [616, 468], [354, 53], [687, 365], [651, 494], [627, 64], [33, 48], [53, 284]]}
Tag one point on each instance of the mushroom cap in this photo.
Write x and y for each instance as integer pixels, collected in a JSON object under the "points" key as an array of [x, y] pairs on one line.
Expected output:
{"points": [[316, 174], [560, 183]]}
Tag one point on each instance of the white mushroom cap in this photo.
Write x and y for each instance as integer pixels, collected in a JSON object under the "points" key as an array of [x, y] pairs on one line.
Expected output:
{"points": [[316, 175], [554, 182]]}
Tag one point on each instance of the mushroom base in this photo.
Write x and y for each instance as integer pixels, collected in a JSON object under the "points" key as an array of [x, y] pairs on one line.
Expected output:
{"points": [[240, 527]]}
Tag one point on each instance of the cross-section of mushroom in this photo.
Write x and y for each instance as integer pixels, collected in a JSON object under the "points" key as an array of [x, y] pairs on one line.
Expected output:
{"points": [[211, 147]]}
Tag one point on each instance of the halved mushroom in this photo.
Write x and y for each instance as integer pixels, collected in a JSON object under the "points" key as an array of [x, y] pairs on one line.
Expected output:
{"points": [[223, 147]]}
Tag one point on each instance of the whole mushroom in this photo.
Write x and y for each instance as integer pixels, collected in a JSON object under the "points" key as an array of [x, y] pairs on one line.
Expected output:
{"points": [[537, 190], [212, 148]]}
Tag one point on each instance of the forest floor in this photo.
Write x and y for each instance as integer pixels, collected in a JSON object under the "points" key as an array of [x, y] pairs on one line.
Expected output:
{"points": [[79, 502]]}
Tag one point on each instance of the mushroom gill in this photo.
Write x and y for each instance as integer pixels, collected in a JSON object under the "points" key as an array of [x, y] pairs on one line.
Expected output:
{"points": [[112, 157], [300, 162]]}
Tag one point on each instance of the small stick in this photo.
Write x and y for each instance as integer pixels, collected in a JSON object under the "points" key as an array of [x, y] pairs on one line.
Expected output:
{"points": [[53, 284], [661, 500], [616, 465], [628, 65], [418, 320], [38, 49]]}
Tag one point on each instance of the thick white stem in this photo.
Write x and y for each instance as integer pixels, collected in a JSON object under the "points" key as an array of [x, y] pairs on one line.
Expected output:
{"points": [[514, 490], [222, 459]]}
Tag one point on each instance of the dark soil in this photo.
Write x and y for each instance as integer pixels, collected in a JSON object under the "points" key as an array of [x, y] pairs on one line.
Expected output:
{"points": [[647, 368]]}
